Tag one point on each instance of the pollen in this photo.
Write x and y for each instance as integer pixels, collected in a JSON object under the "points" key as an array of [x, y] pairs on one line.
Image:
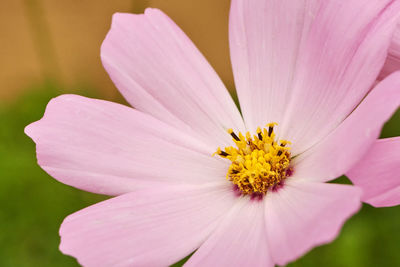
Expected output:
{"points": [[259, 163]]}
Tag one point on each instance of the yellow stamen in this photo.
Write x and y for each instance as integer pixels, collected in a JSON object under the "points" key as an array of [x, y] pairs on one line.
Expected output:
{"points": [[258, 162]]}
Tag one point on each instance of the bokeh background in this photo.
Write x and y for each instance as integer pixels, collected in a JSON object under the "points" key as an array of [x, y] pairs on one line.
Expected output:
{"points": [[52, 47]]}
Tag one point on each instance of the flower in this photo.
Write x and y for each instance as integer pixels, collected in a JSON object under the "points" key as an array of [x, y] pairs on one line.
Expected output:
{"points": [[184, 170]]}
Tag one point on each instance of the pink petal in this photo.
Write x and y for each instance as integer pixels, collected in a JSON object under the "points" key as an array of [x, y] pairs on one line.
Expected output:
{"points": [[307, 64], [264, 42], [392, 63], [239, 240], [347, 144], [159, 70], [378, 173], [338, 64], [107, 148], [303, 215], [154, 227]]}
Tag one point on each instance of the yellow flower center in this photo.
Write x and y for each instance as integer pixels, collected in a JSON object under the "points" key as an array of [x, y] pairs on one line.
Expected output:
{"points": [[259, 162]]}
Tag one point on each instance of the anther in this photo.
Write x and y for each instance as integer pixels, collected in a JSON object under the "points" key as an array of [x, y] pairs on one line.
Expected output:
{"points": [[259, 134], [230, 131], [270, 130], [223, 153]]}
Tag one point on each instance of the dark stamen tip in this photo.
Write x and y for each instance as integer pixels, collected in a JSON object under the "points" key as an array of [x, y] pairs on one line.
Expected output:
{"points": [[235, 136], [270, 130], [223, 153]]}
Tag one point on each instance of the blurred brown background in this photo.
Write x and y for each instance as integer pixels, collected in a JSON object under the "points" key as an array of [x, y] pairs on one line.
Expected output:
{"points": [[61, 39]]}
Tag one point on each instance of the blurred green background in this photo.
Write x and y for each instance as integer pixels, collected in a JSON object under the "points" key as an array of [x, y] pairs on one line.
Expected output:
{"points": [[52, 47]]}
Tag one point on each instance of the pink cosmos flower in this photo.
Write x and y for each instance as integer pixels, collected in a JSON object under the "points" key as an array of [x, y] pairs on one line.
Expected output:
{"points": [[186, 174]]}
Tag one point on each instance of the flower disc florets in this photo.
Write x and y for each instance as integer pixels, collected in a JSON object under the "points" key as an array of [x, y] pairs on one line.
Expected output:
{"points": [[259, 163]]}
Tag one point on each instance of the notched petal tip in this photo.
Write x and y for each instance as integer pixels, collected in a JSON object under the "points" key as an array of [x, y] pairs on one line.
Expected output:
{"points": [[122, 17], [152, 10], [29, 130], [50, 108]]}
